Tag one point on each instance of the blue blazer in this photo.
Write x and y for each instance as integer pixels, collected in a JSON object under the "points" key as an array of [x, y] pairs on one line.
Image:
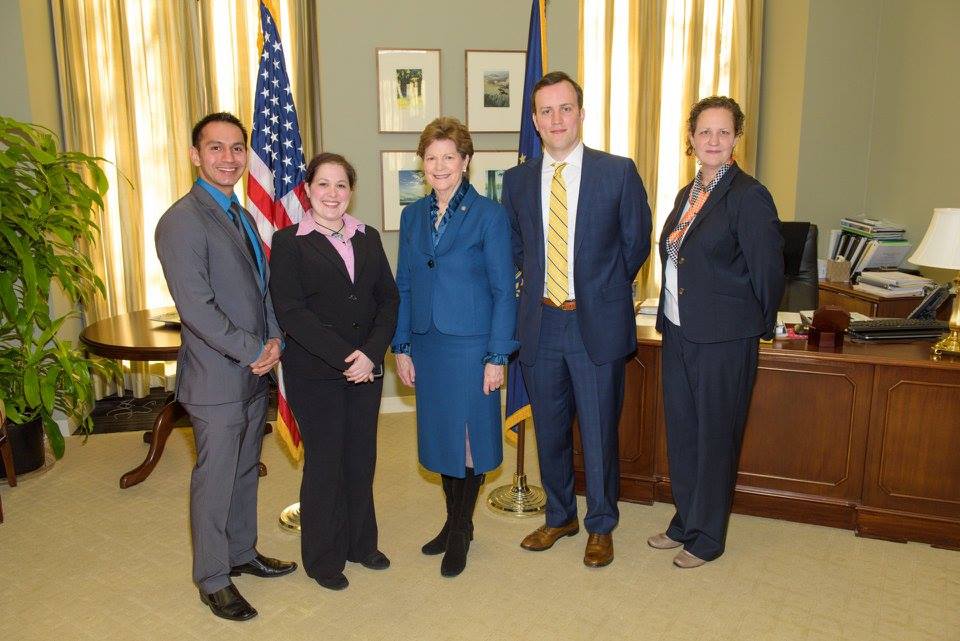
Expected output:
{"points": [[611, 241], [464, 287], [730, 277]]}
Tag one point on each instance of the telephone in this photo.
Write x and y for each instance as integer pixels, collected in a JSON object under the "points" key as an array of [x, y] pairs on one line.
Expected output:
{"points": [[931, 303]]}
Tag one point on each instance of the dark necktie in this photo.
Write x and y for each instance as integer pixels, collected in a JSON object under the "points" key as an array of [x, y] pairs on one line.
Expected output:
{"points": [[237, 214]]}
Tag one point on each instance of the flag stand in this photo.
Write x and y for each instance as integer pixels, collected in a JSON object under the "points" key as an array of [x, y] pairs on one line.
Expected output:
{"points": [[518, 499], [290, 518]]}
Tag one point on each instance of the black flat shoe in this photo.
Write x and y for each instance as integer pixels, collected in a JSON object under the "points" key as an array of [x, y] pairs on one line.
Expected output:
{"points": [[338, 582], [228, 603], [264, 567], [376, 561]]}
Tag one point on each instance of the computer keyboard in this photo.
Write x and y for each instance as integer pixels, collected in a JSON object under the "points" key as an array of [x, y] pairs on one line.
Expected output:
{"points": [[897, 328]]}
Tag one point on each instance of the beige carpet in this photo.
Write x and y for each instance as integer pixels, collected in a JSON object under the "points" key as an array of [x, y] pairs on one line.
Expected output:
{"points": [[82, 559]]}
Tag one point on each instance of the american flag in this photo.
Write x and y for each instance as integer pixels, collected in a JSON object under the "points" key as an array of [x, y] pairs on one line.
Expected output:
{"points": [[276, 193]]}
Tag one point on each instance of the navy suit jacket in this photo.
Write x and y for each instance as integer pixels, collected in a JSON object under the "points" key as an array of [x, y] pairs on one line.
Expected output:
{"points": [[611, 241], [464, 287], [730, 277]]}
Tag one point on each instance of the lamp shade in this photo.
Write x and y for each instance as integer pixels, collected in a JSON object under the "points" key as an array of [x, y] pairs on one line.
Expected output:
{"points": [[940, 246]]}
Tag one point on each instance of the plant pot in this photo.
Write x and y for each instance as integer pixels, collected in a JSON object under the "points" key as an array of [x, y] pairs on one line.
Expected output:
{"points": [[26, 441]]}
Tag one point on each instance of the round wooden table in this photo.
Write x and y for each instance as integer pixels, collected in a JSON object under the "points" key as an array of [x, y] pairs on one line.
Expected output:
{"points": [[134, 337]]}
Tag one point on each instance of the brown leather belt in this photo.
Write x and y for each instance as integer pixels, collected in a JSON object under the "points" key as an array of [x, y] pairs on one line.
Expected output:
{"points": [[567, 305]]}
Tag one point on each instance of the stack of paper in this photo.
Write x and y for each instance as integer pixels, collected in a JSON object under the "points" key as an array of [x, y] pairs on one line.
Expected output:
{"points": [[893, 284], [648, 306]]}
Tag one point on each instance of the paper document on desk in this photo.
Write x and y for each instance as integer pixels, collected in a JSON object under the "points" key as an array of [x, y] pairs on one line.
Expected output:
{"points": [[788, 318], [807, 316], [167, 318], [648, 306]]}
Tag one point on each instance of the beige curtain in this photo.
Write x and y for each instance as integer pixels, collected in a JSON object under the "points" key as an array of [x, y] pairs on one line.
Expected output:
{"points": [[643, 63], [134, 77]]}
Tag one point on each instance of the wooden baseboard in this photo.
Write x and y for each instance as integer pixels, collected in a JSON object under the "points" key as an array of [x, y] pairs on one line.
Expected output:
{"points": [[890, 525]]}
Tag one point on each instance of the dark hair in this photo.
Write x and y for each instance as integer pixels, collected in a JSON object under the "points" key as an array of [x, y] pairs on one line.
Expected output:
{"points": [[714, 102], [220, 116], [328, 158], [553, 78], [446, 128]]}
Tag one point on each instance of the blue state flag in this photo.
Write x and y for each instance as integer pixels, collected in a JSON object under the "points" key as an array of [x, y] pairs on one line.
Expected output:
{"points": [[518, 403]]}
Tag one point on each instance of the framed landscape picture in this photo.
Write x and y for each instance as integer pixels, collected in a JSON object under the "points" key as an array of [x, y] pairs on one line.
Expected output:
{"points": [[408, 88], [401, 183], [486, 171], [494, 81]]}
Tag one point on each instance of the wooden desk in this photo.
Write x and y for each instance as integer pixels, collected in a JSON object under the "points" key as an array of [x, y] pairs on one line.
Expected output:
{"points": [[134, 337], [843, 295], [867, 439]]}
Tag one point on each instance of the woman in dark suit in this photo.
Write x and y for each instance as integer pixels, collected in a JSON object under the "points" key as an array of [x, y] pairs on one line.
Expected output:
{"points": [[455, 328], [336, 300], [722, 281]]}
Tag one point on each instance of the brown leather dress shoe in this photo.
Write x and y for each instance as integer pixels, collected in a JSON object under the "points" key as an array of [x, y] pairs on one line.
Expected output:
{"points": [[544, 537], [599, 550], [663, 542]]}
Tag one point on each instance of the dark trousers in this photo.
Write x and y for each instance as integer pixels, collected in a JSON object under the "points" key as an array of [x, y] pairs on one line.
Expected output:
{"points": [[338, 423], [223, 487], [706, 394], [564, 380]]}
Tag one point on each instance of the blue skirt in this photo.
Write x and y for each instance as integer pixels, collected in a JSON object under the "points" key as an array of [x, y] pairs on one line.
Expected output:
{"points": [[451, 404]]}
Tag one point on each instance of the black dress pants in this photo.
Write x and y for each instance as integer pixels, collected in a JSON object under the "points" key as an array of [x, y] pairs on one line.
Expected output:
{"points": [[706, 395], [338, 423]]}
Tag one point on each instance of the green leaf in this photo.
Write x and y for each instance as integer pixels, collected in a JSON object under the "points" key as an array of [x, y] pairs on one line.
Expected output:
{"points": [[53, 435], [31, 386], [48, 389]]}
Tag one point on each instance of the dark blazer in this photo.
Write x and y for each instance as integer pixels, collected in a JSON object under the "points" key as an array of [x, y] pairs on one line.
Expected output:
{"points": [[611, 241], [730, 277], [465, 287], [326, 316], [224, 308]]}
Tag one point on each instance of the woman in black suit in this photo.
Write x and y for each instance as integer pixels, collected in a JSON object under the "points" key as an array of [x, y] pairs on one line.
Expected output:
{"points": [[722, 258], [336, 301]]}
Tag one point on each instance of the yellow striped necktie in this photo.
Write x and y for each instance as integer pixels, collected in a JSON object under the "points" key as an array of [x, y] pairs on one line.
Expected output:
{"points": [[558, 288]]}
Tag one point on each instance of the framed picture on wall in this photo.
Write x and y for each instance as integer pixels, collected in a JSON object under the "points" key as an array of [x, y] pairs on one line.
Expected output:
{"points": [[494, 81], [486, 171], [401, 183], [408, 88]]}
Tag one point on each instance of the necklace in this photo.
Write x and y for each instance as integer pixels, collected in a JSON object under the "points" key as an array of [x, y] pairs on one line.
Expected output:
{"points": [[336, 233]]}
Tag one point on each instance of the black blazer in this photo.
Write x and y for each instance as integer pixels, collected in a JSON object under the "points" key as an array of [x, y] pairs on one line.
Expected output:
{"points": [[730, 277], [325, 316]]}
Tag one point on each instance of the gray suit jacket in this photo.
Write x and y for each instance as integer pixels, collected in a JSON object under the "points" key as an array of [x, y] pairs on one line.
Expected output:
{"points": [[225, 311]]}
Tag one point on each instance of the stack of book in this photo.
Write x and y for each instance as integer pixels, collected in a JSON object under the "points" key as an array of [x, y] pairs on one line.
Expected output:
{"points": [[893, 284], [868, 243]]}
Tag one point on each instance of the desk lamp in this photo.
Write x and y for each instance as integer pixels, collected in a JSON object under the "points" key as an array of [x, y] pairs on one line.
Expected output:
{"points": [[940, 248]]}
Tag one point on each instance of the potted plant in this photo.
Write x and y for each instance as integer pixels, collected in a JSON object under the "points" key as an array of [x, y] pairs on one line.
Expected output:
{"points": [[47, 198]]}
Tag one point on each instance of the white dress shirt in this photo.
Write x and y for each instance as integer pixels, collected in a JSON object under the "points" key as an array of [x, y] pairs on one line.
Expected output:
{"points": [[671, 306], [571, 178]]}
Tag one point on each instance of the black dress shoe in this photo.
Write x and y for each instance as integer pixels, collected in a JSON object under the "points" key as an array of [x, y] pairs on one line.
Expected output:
{"points": [[376, 561], [338, 582], [264, 566], [228, 603]]}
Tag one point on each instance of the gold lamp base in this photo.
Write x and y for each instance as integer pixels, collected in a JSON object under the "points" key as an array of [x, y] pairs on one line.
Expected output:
{"points": [[518, 499], [290, 518], [949, 344]]}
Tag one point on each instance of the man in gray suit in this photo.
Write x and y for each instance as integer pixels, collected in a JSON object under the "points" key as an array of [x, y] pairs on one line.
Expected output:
{"points": [[217, 273]]}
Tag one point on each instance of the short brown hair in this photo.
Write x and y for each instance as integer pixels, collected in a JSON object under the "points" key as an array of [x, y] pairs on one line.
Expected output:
{"points": [[328, 158], [554, 78], [446, 128], [714, 102]]}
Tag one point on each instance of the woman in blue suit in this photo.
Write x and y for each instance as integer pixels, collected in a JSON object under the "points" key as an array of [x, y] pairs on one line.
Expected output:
{"points": [[455, 328], [722, 257]]}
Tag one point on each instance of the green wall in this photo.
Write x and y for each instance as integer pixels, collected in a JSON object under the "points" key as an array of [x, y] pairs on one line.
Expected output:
{"points": [[872, 85]]}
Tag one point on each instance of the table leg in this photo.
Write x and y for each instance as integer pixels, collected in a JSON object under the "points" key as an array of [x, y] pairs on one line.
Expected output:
{"points": [[170, 414]]}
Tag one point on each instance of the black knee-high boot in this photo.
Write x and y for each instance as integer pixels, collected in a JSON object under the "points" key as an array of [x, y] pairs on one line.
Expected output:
{"points": [[452, 486], [461, 526]]}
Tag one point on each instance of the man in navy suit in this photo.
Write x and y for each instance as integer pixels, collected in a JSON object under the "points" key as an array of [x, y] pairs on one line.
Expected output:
{"points": [[581, 231]]}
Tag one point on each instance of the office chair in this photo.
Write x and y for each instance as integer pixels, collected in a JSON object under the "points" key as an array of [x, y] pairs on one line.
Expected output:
{"points": [[799, 267]]}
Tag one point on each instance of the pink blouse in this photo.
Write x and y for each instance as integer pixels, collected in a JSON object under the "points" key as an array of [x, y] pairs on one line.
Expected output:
{"points": [[344, 247]]}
